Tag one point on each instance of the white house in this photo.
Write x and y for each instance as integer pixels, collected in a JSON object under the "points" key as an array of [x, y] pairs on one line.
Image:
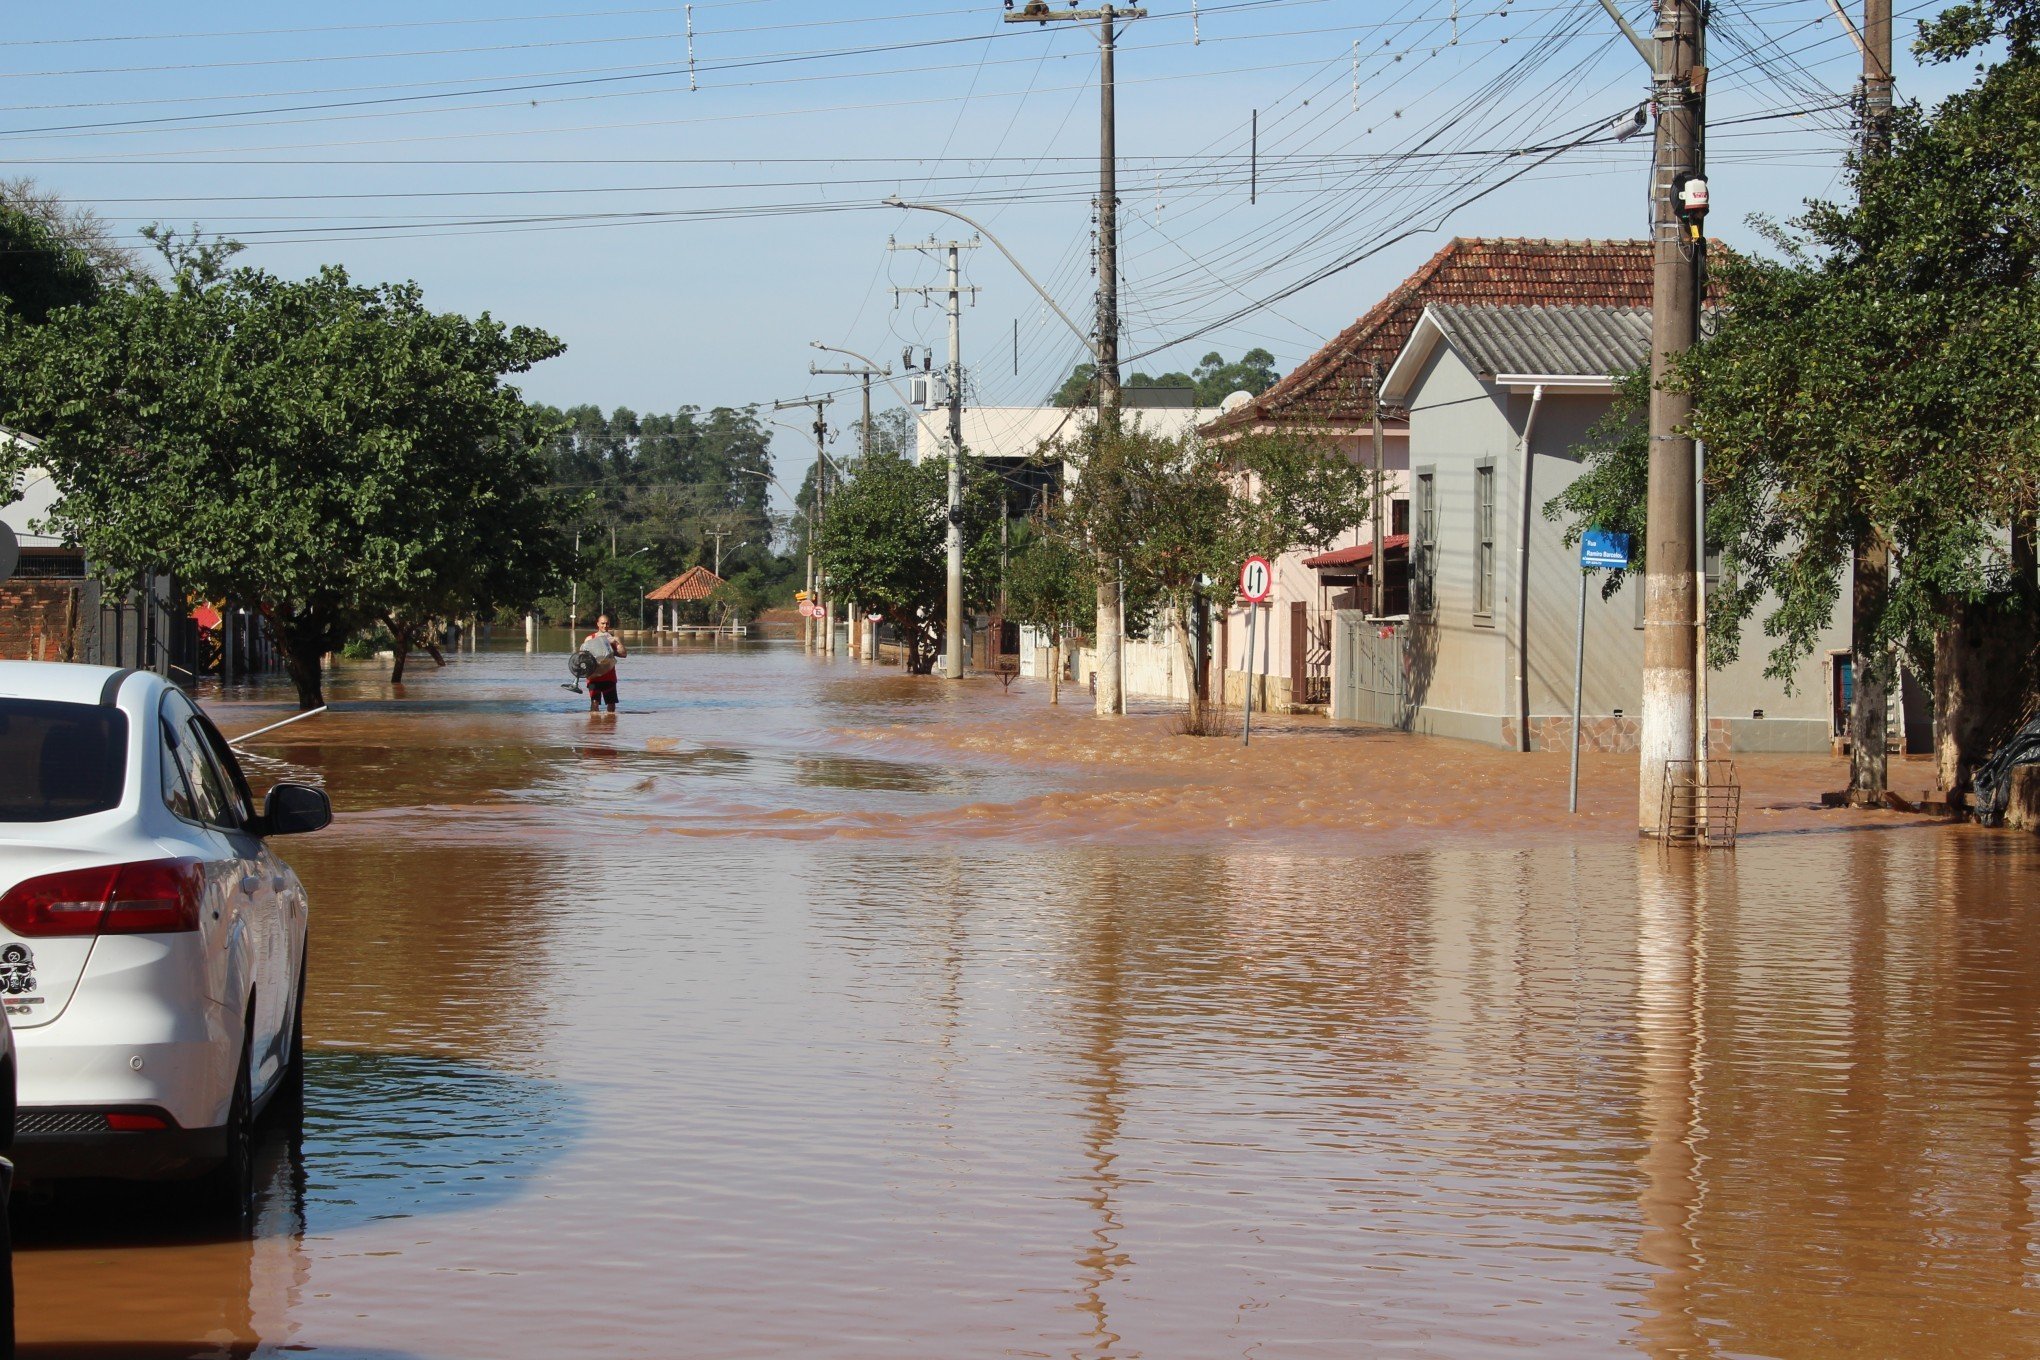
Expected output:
{"points": [[1499, 400]]}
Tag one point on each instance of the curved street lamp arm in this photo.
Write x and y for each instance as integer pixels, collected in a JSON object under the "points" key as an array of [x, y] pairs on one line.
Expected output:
{"points": [[804, 434], [1092, 345]]}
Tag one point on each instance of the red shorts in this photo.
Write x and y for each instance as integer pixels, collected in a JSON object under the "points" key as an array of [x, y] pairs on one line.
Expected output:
{"points": [[603, 686]]}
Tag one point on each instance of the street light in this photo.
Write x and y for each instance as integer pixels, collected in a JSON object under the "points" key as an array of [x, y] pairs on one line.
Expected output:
{"points": [[895, 201], [870, 370]]}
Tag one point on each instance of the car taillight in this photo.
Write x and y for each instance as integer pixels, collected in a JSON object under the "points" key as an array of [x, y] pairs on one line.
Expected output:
{"points": [[136, 1121], [151, 897]]}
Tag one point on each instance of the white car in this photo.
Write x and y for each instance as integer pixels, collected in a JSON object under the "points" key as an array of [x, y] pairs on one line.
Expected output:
{"points": [[152, 947]]}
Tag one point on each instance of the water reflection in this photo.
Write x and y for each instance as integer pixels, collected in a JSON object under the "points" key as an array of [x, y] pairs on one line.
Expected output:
{"points": [[387, 1137], [914, 1091]]}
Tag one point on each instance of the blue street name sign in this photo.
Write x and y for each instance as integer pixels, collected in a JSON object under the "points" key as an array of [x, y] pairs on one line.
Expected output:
{"points": [[1600, 548]]}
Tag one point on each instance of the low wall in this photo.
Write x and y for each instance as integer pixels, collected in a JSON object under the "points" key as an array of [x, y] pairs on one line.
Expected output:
{"points": [[1153, 670], [1623, 735]]}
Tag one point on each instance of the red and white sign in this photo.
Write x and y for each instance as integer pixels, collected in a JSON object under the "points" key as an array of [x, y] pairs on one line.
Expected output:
{"points": [[1257, 580], [810, 609]]}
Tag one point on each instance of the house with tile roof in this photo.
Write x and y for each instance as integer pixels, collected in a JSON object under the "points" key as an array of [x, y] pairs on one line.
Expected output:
{"points": [[1496, 403], [1332, 392]]}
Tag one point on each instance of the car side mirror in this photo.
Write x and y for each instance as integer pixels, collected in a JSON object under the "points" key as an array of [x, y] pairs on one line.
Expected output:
{"points": [[291, 809]]}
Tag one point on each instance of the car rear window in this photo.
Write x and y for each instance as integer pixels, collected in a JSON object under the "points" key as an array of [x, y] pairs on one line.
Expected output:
{"points": [[60, 760]]}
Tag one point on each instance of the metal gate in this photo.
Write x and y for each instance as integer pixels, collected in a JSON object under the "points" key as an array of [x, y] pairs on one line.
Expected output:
{"points": [[1368, 670]]}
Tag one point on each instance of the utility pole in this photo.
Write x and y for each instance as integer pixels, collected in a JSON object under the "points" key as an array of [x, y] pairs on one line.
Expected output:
{"points": [[867, 372], [1871, 574], [815, 632], [1671, 659], [1111, 621], [953, 615], [1380, 573]]}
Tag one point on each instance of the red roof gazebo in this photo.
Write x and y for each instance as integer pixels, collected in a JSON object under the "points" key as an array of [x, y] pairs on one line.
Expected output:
{"points": [[696, 583], [689, 587]]}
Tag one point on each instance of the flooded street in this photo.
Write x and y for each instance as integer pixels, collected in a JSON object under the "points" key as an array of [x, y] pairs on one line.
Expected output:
{"points": [[807, 1010]]}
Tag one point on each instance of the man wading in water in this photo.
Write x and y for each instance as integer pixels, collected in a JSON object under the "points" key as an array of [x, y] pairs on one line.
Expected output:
{"points": [[606, 649]]}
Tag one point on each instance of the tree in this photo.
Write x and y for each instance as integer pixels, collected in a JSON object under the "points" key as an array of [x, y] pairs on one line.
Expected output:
{"points": [[331, 452], [1050, 585], [1873, 382], [1180, 515], [53, 254], [1213, 380], [664, 485], [883, 541], [892, 431]]}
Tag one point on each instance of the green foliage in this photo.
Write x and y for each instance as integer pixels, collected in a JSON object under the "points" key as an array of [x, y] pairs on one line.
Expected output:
{"points": [[1961, 29], [331, 452], [884, 545], [1178, 516], [39, 270], [660, 488], [892, 431], [1874, 376], [1050, 583], [1213, 379]]}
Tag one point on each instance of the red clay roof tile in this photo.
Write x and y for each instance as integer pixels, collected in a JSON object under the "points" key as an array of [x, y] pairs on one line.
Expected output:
{"points": [[1333, 385]]}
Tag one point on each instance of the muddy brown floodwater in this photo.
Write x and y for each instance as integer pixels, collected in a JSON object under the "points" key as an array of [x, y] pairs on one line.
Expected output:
{"points": [[805, 1010]]}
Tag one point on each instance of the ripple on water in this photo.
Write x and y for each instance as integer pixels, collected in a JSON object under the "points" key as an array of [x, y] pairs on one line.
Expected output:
{"points": [[1141, 1085]]}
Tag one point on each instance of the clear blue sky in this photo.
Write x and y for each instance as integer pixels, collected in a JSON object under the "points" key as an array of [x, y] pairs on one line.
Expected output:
{"points": [[553, 162]]}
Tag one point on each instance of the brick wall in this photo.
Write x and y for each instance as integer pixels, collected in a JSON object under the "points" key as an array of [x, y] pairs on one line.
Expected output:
{"points": [[33, 616]]}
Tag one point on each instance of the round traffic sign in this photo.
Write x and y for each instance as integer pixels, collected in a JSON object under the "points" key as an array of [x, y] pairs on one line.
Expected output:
{"points": [[1257, 580]]}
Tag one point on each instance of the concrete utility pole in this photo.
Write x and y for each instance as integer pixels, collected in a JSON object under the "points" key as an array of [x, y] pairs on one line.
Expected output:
{"points": [[1379, 576], [1670, 597], [867, 371], [1871, 596], [815, 632], [1111, 621], [953, 616]]}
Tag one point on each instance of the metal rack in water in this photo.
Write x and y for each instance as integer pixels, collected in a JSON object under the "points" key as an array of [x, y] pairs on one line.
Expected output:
{"points": [[1702, 804]]}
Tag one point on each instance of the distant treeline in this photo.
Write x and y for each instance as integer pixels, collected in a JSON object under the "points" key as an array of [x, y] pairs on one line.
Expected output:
{"points": [[650, 496]]}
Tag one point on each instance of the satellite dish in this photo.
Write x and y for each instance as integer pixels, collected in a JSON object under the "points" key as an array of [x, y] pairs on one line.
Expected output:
{"points": [[1235, 402], [10, 552]]}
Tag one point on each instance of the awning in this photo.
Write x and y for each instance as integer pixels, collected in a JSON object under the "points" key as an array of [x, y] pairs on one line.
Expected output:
{"points": [[1349, 557]]}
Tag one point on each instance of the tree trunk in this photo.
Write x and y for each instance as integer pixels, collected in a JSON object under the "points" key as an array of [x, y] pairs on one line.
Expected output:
{"points": [[1984, 680], [1871, 661], [1055, 670], [433, 647], [304, 649], [400, 643], [1179, 618]]}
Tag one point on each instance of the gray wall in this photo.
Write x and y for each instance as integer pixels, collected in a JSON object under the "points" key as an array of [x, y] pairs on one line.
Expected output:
{"points": [[1464, 668]]}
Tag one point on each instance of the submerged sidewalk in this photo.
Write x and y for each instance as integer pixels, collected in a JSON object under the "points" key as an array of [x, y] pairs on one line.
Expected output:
{"points": [[1342, 785]]}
